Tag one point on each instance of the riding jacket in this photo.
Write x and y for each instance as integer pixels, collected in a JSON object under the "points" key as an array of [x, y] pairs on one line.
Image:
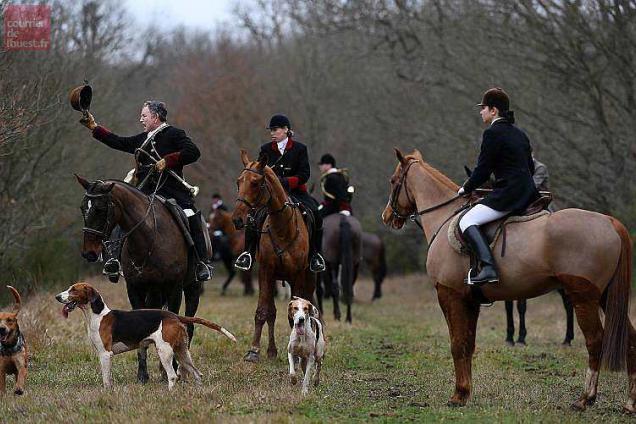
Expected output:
{"points": [[334, 184], [169, 143], [506, 153]]}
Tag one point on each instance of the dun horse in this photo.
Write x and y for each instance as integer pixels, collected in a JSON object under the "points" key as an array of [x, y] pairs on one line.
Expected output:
{"points": [[283, 247], [586, 253], [342, 250], [229, 248], [157, 264]]}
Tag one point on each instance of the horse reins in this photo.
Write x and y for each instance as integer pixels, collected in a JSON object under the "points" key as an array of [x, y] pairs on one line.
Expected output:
{"points": [[395, 194]]}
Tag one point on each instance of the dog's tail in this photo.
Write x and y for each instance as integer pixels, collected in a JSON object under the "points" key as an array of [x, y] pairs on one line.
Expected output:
{"points": [[18, 301], [209, 324]]}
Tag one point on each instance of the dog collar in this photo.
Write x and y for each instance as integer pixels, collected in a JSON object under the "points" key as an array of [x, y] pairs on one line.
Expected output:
{"points": [[12, 350]]}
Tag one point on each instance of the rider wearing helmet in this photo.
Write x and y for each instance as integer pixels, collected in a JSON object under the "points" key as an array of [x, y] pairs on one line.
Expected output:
{"points": [[334, 184]]}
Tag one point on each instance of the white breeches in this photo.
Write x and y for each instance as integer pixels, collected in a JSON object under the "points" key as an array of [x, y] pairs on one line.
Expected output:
{"points": [[479, 215]]}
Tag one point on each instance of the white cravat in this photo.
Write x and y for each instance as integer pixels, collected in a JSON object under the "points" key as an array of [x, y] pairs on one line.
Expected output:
{"points": [[495, 120], [282, 145]]}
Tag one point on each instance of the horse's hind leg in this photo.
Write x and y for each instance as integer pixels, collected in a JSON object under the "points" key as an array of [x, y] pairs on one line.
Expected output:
{"points": [[521, 309], [630, 407], [585, 299], [229, 265], [510, 323], [248, 287], [319, 292], [569, 312], [461, 314], [192, 292], [331, 275]]}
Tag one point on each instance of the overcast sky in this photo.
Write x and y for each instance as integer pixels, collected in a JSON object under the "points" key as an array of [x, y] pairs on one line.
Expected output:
{"points": [[202, 14]]}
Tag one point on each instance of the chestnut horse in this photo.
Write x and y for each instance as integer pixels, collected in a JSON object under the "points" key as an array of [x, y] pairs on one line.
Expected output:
{"points": [[157, 264], [229, 248], [586, 253], [283, 247]]}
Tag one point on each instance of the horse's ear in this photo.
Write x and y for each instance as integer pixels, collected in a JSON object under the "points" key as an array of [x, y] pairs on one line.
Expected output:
{"points": [[399, 155], [244, 158], [262, 160], [109, 188], [83, 181], [468, 171]]}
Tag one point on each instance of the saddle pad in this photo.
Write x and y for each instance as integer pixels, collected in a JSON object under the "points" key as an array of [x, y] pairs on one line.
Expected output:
{"points": [[491, 230]]}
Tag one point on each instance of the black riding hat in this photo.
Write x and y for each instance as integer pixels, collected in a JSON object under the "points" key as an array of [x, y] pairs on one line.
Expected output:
{"points": [[327, 159], [279, 121], [496, 97]]}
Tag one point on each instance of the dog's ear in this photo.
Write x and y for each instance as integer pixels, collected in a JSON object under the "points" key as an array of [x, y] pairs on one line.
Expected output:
{"points": [[92, 294], [18, 302], [315, 312]]}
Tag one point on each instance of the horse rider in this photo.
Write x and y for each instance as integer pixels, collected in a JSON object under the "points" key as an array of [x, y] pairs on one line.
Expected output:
{"points": [[170, 148], [334, 184], [540, 178], [289, 160], [506, 153], [217, 203]]}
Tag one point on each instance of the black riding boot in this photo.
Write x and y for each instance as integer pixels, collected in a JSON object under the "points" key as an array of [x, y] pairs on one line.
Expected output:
{"points": [[112, 253], [245, 259], [479, 245], [316, 261], [204, 266]]}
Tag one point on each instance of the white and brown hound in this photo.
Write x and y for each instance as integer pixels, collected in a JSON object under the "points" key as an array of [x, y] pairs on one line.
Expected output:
{"points": [[13, 350], [306, 341], [114, 332]]}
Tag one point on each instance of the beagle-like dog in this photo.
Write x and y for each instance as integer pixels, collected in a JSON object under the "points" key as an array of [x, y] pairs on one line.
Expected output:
{"points": [[306, 341], [114, 332], [13, 349]]}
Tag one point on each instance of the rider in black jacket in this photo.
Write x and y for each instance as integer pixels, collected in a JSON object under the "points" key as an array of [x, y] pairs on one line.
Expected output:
{"points": [[289, 160], [506, 153], [334, 185], [170, 148]]}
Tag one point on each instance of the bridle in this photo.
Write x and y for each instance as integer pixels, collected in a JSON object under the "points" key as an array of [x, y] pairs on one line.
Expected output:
{"points": [[395, 194], [262, 189], [110, 213]]}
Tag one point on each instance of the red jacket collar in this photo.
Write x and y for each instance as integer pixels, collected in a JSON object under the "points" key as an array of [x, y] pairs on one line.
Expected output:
{"points": [[290, 144]]}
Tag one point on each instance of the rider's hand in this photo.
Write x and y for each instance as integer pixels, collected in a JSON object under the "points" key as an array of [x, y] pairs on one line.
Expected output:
{"points": [[461, 191], [161, 165], [88, 121]]}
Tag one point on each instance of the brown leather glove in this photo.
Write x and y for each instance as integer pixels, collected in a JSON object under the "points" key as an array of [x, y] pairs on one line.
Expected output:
{"points": [[88, 121], [161, 165]]}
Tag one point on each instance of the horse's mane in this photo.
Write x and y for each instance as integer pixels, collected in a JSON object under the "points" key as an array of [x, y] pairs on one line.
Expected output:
{"points": [[432, 171], [124, 185]]}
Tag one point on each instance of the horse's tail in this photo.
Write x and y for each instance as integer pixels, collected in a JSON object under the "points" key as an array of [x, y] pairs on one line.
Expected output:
{"points": [[346, 259], [209, 324], [616, 334]]}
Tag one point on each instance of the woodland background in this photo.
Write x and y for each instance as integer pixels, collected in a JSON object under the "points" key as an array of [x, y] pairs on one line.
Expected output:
{"points": [[356, 79]]}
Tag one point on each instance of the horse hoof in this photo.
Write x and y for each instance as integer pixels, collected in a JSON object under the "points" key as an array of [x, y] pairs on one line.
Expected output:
{"points": [[566, 343], [251, 356], [579, 405], [223, 292], [456, 403], [272, 354], [510, 342], [521, 343], [143, 378]]}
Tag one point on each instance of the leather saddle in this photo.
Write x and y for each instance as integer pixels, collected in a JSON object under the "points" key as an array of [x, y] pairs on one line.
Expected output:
{"points": [[494, 229]]}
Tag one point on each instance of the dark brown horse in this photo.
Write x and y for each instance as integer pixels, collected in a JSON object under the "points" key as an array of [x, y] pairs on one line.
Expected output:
{"points": [[342, 250], [157, 264], [587, 253], [229, 246], [283, 247], [374, 257]]}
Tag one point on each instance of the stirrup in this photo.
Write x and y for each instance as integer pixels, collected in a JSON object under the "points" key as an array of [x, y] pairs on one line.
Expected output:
{"points": [[204, 271], [240, 261], [469, 281], [317, 263]]}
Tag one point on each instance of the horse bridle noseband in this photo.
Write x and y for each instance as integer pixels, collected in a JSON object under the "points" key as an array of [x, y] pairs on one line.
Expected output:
{"points": [[395, 194]]}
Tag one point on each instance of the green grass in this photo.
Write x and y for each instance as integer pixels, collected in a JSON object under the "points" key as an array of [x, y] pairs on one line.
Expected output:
{"points": [[392, 365]]}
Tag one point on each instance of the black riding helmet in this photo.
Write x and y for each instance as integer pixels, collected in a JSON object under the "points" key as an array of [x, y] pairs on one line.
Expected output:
{"points": [[279, 121], [327, 159]]}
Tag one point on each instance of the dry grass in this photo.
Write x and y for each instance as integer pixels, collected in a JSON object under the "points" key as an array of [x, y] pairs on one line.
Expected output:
{"points": [[392, 364]]}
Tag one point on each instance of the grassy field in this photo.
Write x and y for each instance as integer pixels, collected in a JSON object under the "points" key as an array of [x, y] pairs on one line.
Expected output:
{"points": [[393, 364]]}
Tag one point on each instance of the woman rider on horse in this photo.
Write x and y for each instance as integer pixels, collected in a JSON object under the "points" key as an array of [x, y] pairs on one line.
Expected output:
{"points": [[506, 152], [289, 160]]}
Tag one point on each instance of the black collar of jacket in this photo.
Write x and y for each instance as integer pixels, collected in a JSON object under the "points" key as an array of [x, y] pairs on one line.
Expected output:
{"points": [[12, 350]]}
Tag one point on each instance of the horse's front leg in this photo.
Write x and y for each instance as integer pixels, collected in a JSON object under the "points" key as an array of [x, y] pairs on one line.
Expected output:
{"points": [[192, 293], [510, 323], [461, 314], [265, 297], [521, 309], [137, 299], [229, 265], [569, 315]]}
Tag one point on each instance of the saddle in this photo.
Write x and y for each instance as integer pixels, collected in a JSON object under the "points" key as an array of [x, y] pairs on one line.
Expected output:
{"points": [[182, 221], [497, 228], [308, 218]]}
